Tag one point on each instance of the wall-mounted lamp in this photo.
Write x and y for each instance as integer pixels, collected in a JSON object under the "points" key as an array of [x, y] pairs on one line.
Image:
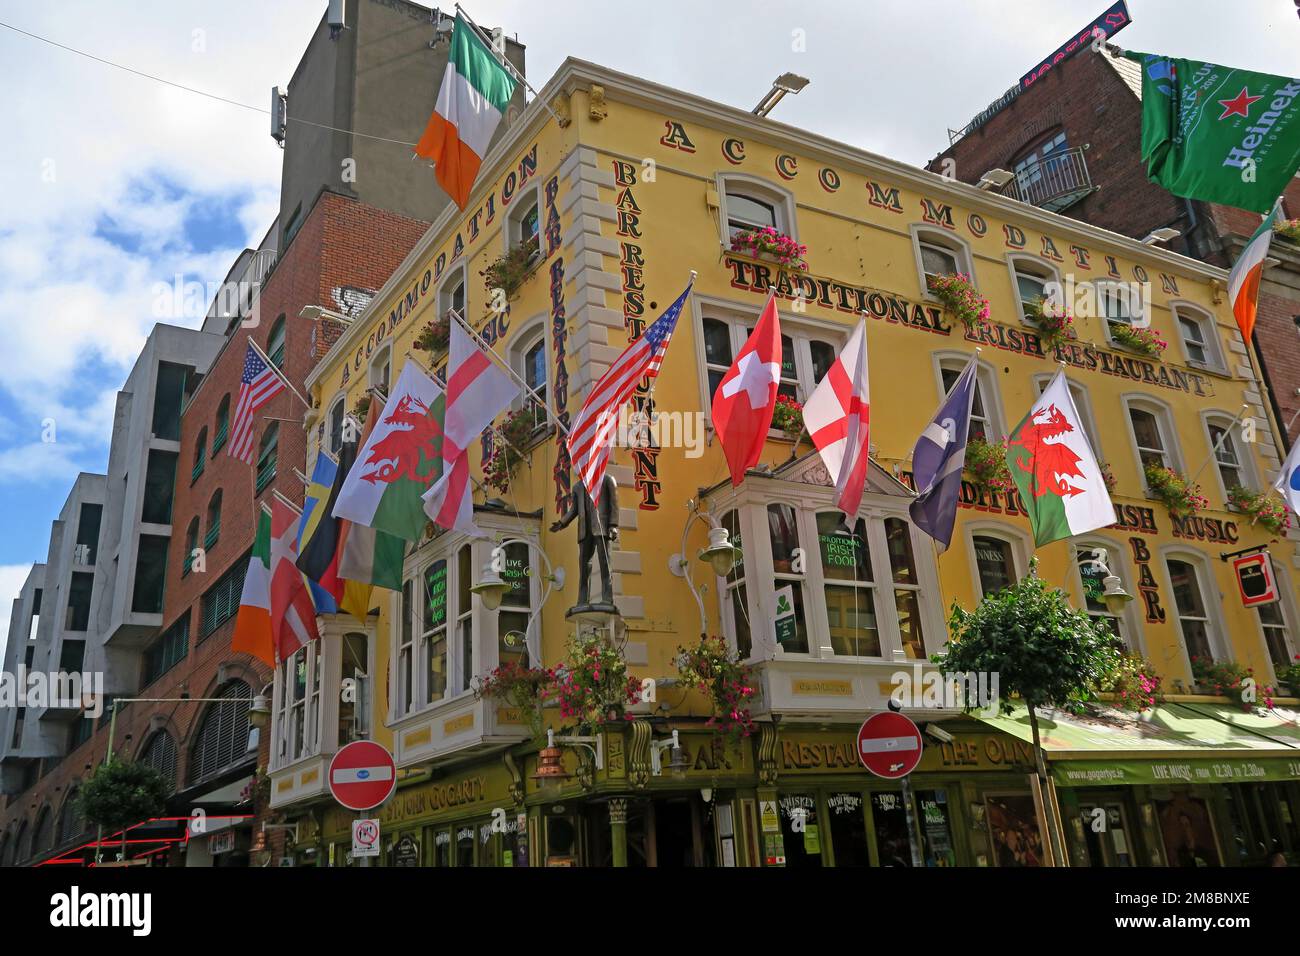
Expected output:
{"points": [[995, 179], [721, 555], [1160, 235], [783, 84], [676, 765]]}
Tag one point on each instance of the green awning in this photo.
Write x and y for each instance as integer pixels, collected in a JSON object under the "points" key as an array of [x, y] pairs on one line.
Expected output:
{"points": [[1172, 743]]}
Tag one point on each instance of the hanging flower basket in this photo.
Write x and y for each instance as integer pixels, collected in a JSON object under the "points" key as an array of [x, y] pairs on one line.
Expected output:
{"points": [[508, 448], [435, 336], [767, 243], [960, 297], [711, 667], [1144, 341], [361, 409], [1265, 510], [593, 686], [523, 688], [1176, 492], [788, 416], [1107, 476], [1054, 322], [1288, 229], [511, 270], [986, 465]]}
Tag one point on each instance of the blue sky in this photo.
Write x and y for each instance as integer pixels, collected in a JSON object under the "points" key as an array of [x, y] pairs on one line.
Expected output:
{"points": [[114, 183]]}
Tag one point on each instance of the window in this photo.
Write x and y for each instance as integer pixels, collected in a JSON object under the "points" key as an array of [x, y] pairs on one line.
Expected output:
{"points": [[535, 378], [982, 423], [168, 650], [299, 704], [380, 368], [89, 517], [1193, 619], [160, 753], [434, 630], [1092, 576], [465, 615], [1200, 338], [222, 736], [1081, 403], [783, 530], [191, 543], [995, 563], [214, 521], [1116, 304], [451, 295], [735, 607], [516, 607], [150, 574], [275, 343], [937, 254], [1276, 635], [850, 591], [354, 715], [267, 456], [525, 223], [200, 454], [1031, 279], [79, 594], [1151, 435], [159, 487], [221, 601], [168, 396], [1036, 164], [223, 424], [748, 212], [1227, 455], [337, 413], [748, 202], [71, 824], [807, 353]]}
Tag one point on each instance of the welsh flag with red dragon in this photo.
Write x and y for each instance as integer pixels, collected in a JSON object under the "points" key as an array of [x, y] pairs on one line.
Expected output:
{"points": [[1055, 469]]}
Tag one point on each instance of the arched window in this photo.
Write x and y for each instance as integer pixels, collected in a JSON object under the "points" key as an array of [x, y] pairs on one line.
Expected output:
{"points": [[751, 203], [381, 366], [22, 844], [191, 542], [997, 558], [1093, 560], [1032, 279], [200, 454], [1153, 434], [43, 835], [1230, 459], [939, 253], [267, 456], [986, 408], [222, 737], [223, 424], [275, 344], [451, 294], [71, 825], [337, 413], [1192, 613], [214, 521], [1200, 337], [160, 753]]}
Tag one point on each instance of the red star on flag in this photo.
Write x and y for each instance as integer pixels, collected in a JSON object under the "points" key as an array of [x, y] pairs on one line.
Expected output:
{"points": [[1239, 105]]}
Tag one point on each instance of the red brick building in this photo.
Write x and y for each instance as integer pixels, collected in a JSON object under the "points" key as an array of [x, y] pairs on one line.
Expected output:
{"points": [[1073, 142]]}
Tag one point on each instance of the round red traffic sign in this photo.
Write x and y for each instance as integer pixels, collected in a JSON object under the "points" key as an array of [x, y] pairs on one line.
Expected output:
{"points": [[362, 775], [889, 745]]}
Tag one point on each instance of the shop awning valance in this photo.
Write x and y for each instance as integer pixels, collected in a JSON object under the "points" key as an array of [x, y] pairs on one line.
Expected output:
{"points": [[1174, 743]]}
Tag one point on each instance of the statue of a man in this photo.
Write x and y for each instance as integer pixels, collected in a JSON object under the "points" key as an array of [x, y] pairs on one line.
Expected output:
{"points": [[597, 527]]}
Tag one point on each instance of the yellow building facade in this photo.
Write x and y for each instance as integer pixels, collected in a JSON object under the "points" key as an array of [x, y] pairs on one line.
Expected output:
{"points": [[629, 187]]}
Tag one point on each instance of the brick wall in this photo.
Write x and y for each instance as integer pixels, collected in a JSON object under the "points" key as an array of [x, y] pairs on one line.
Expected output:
{"points": [[342, 243]]}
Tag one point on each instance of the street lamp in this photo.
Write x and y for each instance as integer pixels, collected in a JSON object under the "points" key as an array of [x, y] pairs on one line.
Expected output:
{"points": [[721, 555]]}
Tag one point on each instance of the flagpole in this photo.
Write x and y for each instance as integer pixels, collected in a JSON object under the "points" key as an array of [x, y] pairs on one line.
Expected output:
{"points": [[1219, 444], [507, 65], [276, 369]]}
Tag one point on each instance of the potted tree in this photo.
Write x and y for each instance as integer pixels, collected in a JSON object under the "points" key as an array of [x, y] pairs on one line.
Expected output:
{"points": [[122, 793]]}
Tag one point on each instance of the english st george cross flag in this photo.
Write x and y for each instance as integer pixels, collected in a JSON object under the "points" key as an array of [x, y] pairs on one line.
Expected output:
{"points": [[1055, 470], [398, 461], [938, 460], [260, 382], [593, 428], [1218, 134], [1243, 281], [476, 91], [477, 391], [838, 418], [746, 397]]}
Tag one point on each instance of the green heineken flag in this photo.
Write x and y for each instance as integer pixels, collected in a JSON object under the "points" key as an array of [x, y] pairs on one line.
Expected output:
{"points": [[1217, 134]]}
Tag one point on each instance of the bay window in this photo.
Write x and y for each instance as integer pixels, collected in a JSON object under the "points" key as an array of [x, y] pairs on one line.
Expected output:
{"points": [[312, 715]]}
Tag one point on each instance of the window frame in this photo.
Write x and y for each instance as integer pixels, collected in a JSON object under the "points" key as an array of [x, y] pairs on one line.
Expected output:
{"points": [[986, 379], [455, 275], [280, 328], [1021, 549], [1053, 274], [339, 403], [223, 425], [200, 455], [1211, 600], [952, 244], [265, 449], [1139, 315], [1286, 608], [1130, 628], [1215, 418], [523, 342], [1215, 360], [382, 358], [1164, 424], [512, 233], [782, 201]]}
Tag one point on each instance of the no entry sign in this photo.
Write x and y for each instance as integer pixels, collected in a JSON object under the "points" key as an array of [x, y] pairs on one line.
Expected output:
{"points": [[889, 745], [362, 775]]}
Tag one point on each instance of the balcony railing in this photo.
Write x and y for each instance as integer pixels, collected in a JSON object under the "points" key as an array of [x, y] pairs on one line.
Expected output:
{"points": [[1055, 182]]}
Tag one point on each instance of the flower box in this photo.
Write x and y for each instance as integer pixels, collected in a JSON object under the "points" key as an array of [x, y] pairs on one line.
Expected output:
{"points": [[960, 297], [767, 243], [1143, 341]]}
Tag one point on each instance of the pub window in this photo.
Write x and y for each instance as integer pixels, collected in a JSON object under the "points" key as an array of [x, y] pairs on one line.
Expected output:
{"points": [[465, 614], [516, 606], [749, 203], [433, 630], [1200, 337], [451, 294], [850, 589], [1231, 464], [406, 652], [354, 714], [1032, 279], [939, 254], [525, 222], [275, 343], [985, 422], [997, 564], [907, 587], [1189, 603], [1274, 620], [1092, 575], [782, 525], [807, 352], [1152, 435], [736, 606]]}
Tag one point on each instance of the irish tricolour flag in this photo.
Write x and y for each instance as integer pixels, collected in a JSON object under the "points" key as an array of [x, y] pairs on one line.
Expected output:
{"points": [[1053, 465], [398, 461], [476, 89], [1243, 280]]}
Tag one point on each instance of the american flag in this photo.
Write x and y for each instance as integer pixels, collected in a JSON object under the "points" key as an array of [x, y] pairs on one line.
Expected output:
{"points": [[589, 439], [260, 383]]}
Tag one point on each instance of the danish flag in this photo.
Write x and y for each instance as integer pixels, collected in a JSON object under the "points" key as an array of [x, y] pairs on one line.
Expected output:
{"points": [[838, 418]]}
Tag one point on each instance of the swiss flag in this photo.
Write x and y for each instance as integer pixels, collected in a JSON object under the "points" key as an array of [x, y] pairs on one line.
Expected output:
{"points": [[746, 396], [838, 418]]}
